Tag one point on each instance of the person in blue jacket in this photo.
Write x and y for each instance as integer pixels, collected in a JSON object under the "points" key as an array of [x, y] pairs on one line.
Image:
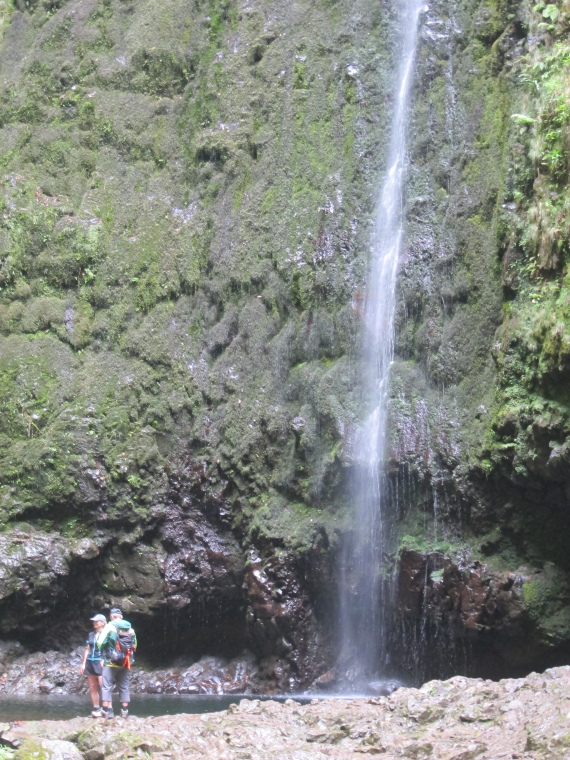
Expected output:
{"points": [[92, 664]]}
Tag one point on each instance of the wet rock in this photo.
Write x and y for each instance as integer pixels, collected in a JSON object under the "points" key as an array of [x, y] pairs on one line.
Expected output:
{"points": [[383, 688], [50, 749], [417, 750], [8, 738], [85, 549], [471, 602], [94, 754], [9, 651], [214, 557], [326, 737], [282, 614], [32, 564], [424, 712], [55, 672]]}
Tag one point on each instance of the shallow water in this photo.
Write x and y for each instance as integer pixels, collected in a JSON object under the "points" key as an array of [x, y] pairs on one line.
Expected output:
{"points": [[64, 707]]}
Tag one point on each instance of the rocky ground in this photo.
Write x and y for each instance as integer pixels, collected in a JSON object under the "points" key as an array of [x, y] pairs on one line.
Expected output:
{"points": [[458, 719]]}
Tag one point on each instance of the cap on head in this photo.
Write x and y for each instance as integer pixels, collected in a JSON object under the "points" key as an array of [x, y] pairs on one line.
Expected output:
{"points": [[123, 625], [98, 619], [116, 611]]}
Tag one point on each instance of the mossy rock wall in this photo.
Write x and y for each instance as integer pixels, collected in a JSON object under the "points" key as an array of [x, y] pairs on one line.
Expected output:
{"points": [[186, 193], [479, 409]]}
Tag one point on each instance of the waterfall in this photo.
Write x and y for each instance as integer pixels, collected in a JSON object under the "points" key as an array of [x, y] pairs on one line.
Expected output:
{"points": [[364, 588]]}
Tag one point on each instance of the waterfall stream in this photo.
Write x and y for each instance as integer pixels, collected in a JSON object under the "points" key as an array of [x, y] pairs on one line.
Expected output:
{"points": [[365, 592]]}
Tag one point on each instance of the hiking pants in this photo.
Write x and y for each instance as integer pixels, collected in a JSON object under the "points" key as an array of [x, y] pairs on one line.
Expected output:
{"points": [[119, 676]]}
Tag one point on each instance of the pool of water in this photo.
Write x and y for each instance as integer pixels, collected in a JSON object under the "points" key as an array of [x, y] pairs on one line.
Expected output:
{"points": [[64, 707]]}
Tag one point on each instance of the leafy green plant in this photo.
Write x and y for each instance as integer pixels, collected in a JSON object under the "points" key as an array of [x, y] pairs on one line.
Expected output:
{"points": [[551, 12], [520, 118], [548, 11]]}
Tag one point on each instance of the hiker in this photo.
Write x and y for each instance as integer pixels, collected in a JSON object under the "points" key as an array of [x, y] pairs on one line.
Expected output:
{"points": [[92, 664], [118, 649]]}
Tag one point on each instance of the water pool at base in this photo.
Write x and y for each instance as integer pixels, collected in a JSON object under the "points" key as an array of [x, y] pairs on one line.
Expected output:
{"points": [[65, 707]]}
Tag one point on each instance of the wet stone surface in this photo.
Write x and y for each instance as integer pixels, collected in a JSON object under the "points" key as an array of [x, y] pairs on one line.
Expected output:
{"points": [[459, 719], [58, 673]]}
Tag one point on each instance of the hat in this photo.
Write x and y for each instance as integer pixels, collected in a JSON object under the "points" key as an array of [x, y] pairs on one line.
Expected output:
{"points": [[116, 611], [123, 625], [99, 618]]}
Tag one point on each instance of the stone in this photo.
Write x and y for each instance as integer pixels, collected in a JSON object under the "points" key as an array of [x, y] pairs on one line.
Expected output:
{"points": [[416, 750], [85, 549], [47, 749]]}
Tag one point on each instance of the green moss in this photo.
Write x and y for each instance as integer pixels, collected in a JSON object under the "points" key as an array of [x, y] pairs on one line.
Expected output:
{"points": [[299, 77], [32, 750], [58, 38], [6, 10], [429, 542], [175, 235], [535, 594], [545, 599], [269, 199], [158, 73], [290, 523]]}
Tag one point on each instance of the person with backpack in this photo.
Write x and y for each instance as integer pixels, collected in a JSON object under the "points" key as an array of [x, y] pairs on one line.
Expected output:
{"points": [[92, 664], [118, 649]]}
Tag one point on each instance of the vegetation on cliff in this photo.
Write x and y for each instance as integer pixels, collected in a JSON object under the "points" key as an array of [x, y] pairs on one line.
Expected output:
{"points": [[185, 194], [480, 409]]}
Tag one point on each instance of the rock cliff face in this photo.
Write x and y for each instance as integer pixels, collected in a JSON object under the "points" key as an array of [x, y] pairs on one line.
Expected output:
{"points": [[479, 414], [185, 202], [186, 196]]}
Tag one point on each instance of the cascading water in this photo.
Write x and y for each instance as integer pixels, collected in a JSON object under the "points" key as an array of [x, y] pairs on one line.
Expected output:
{"points": [[364, 589]]}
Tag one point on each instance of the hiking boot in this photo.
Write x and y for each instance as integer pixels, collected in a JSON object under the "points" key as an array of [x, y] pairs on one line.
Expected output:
{"points": [[124, 712], [108, 713], [96, 712]]}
